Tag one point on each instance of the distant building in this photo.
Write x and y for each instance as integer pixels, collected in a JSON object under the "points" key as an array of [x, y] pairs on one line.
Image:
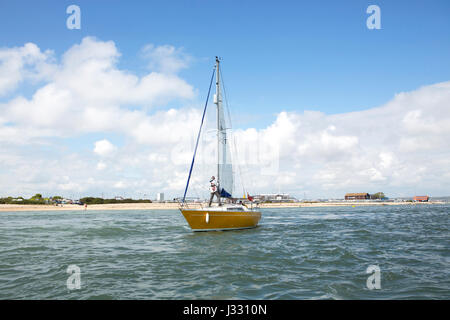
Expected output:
{"points": [[357, 196], [188, 199], [275, 197], [421, 198], [160, 196]]}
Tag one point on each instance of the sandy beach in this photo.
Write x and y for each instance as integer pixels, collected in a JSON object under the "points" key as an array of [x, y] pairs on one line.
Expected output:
{"points": [[175, 206]]}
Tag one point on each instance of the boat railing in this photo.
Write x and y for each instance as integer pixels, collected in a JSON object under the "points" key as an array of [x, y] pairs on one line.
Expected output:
{"points": [[189, 205]]}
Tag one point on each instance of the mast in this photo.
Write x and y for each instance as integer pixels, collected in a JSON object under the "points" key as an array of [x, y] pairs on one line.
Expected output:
{"points": [[224, 166], [217, 102]]}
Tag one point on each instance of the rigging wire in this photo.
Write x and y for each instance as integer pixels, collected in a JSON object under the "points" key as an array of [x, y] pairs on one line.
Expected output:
{"points": [[198, 136], [235, 153]]}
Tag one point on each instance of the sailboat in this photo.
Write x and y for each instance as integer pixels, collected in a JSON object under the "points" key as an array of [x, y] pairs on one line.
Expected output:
{"points": [[230, 215]]}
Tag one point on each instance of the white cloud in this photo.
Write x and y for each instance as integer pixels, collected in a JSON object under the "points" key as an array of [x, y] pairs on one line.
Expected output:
{"points": [[400, 147], [101, 165], [166, 58], [88, 93], [391, 147], [104, 148], [20, 63], [119, 185]]}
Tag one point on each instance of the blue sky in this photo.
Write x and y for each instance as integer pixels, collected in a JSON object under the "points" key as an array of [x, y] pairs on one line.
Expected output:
{"points": [[283, 55], [281, 60]]}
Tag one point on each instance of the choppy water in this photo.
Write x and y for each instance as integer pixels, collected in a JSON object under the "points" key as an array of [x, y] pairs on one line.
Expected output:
{"points": [[299, 253]]}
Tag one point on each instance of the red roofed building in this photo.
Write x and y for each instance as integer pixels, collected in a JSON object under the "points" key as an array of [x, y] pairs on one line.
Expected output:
{"points": [[421, 198]]}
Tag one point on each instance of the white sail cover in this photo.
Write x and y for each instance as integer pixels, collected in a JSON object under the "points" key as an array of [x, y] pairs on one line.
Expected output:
{"points": [[224, 166]]}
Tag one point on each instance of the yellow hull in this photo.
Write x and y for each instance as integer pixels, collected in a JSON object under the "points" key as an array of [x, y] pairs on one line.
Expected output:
{"points": [[210, 220]]}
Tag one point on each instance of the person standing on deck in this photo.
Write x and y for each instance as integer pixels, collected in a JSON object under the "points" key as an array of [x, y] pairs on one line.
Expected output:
{"points": [[214, 189]]}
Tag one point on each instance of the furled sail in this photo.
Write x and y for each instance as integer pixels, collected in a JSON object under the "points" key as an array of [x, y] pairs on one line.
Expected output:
{"points": [[224, 166]]}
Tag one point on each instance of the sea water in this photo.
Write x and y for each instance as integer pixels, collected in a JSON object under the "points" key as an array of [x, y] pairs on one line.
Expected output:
{"points": [[379, 252]]}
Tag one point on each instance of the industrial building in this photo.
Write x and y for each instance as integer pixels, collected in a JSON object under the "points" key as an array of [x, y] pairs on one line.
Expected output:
{"points": [[357, 196]]}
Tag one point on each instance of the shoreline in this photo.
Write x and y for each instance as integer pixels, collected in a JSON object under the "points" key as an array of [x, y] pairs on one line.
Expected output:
{"points": [[175, 206]]}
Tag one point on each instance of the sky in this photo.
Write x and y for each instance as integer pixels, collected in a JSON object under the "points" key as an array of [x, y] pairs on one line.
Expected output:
{"points": [[321, 105]]}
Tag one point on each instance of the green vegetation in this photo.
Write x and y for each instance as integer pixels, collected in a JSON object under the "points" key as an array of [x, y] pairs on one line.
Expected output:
{"points": [[38, 199], [378, 195], [21, 200]]}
